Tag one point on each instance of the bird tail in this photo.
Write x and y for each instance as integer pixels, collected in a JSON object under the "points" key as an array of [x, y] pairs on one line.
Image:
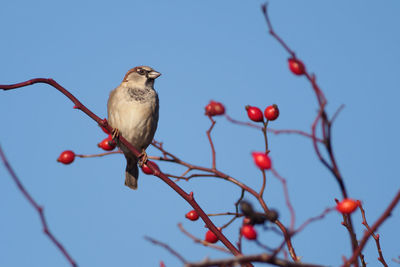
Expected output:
{"points": [[131, 173]]}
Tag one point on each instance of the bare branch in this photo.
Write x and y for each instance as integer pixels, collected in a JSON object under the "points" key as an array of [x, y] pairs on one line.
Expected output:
{"points": [[104, 124], [372, 229], [38, 208], [200, 241], [214, 164], [375, 236], [287, 199], [172, 251], [265, 258], [100, 154]]}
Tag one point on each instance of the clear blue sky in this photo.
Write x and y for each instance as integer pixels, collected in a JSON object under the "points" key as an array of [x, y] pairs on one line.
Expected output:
{"points": [[205, 50]]}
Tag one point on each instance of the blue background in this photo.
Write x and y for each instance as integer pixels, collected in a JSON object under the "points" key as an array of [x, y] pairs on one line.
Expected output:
{"points": [[205, 50]]}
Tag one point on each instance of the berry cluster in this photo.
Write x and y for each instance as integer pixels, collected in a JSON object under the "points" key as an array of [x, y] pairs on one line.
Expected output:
{"points": [[271, 113]]}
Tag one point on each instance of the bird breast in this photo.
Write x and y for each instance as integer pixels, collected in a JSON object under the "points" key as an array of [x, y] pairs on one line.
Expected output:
{"points": [[136, 116]]}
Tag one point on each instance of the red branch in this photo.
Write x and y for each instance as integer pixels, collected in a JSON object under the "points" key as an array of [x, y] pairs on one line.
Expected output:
{"points": [[264, 258], [200, 241], [274, 131], [375, 236], [372, 229], [170, 250], [103, 123], [312, 219], [214, 164], [99, 155], [216, 173], [38, 208], [325, 129], [287, 199]]}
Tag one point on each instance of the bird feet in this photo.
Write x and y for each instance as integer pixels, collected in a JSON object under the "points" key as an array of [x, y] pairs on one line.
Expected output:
{"points": [[115, 134], [143, 158]]}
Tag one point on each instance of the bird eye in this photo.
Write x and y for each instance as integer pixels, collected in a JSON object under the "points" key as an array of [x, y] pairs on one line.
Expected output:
{"points": [[141, 71]]}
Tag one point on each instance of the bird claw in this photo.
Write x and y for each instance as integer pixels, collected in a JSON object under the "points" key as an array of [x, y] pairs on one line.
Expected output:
{"points": [[115, 133], [143, 158]]}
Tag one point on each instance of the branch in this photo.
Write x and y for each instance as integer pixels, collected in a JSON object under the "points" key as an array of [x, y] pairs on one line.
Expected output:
{"points": [[375, 236], [103, 123], [274, 131], [173, 252], [265, 258], [287, 199], [99, 155], [200, 241], [325, 128], [214, 165], [221, 175], [38, 208], [372, 229]]}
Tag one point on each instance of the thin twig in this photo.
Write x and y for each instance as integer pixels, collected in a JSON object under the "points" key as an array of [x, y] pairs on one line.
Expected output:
{"points": [[264, 182], [375, 236], [225, 213], [265, 258], [200, 241], [38, 208], [99, 155], [336, 114], [221, 175], [274, 131], [287, 198], [325, 128], [272, 32], [312, 219], [237, 215], [167, 247], [373, 228], [264, 131], [214, 164]]}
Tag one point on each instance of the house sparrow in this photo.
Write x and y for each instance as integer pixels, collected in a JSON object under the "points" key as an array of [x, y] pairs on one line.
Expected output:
{"points": [[133, 113]]}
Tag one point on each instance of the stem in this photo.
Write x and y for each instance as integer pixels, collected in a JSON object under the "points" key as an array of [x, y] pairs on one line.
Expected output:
{"points": [[38, 208], [214, 164], [373, 228], [103, 123]]}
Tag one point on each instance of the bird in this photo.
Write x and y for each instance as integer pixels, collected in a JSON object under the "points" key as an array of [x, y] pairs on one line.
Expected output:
{"points": [[132, 110]]}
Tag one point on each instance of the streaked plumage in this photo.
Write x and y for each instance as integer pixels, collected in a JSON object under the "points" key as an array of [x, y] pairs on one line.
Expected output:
{"points": [[133, 110]]}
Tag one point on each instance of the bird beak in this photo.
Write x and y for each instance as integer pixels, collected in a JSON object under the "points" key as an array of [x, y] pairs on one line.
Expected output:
{"points": [[153, 74]]}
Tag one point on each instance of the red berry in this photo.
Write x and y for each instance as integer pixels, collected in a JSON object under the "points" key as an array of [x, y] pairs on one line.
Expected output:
{"points": [[66, 157], [254, 113], [215, 108], [271, 112], [211, 237], [107, 144], [262, 160], [296, 66], [347, 205], [249, 232], [146, 169], [192, 215]]}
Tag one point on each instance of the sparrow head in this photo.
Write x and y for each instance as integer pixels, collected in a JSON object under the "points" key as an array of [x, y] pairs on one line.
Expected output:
{"points": [[141, 76]]}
